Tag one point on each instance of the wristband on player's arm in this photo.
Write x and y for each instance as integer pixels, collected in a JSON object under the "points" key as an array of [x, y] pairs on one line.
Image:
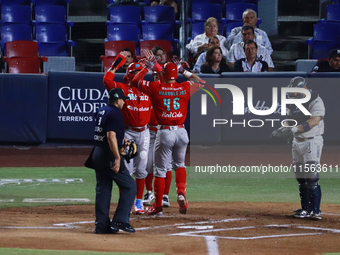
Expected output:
{"points": [[305, 126], [187, 74]]}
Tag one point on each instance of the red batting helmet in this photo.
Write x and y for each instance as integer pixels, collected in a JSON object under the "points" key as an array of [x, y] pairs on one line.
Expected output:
{"points": [[170, 71], [133, 67]]}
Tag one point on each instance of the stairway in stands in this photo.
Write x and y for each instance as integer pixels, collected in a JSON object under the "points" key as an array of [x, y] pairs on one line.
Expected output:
{"points": [[295, 24]]}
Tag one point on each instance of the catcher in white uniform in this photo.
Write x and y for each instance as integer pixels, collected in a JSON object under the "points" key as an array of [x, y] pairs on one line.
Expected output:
{"points": [[306, 149]]}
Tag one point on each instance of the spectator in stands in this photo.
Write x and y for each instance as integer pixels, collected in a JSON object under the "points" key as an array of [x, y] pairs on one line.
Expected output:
{"points": [[250, 63], [160, 54], [162, 57], [330, 65], [214, 62], [237, 51], [201, 42], [172, 3], [213, 41], [129, 59], [249, 18]]}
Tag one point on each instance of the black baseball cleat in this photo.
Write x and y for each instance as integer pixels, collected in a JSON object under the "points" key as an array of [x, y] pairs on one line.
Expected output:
{"points": [[112, 230], [123, 226]]}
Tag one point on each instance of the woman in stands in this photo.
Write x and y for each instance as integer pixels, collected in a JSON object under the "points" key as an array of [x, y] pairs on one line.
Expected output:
{"points": [[201, 42], [214, 61]]}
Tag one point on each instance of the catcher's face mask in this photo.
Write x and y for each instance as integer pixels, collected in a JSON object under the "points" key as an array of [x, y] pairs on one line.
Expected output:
{"points": [[297, 82]]}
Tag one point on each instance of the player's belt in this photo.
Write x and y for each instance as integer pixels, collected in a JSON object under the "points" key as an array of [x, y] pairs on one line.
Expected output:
{"points": [[171, 127], [136, 129], [153, 128], [299, 139]]}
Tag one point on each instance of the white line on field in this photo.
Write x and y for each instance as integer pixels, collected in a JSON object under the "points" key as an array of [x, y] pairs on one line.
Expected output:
{"points": [[212, 245], [6, 200], [54, 200], [255, 237], [321, 229], [192, 223]]}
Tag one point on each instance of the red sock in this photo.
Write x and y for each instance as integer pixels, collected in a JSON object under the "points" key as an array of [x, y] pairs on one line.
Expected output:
{"points": [[140, 188], [148, 182], [168, 179], [181, 180], [159, 190]]}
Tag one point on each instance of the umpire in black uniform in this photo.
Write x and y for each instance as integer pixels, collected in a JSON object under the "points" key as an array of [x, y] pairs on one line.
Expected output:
{"points": [[109, 166]]}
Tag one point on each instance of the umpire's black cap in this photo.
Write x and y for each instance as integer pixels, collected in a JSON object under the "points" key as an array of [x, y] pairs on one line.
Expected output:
{"points": [[334, 53], [117, 93]]}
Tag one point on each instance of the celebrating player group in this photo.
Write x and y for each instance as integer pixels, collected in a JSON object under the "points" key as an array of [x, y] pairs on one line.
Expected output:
{"points": [[154, 119]]}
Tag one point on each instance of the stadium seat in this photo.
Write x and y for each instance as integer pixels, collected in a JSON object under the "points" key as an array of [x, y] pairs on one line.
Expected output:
{"points": [[50, 2], [333, 13], [21, 48], [127, 14], [51, 14], [229, 26], [16, 14], [13, 32], [321, 49], [305, 65], [148, 45], [14, 2], [23, 65], [201, 12], [234, 11], [241, 1], [112, 49], [52, 40], [159, 14], [123, 32], [158, 32], [326, 32], [207, 1]]}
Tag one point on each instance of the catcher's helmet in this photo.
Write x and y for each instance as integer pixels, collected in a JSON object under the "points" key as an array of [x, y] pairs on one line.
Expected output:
{"points": [[132, 68], [170, 71], [297, 82]]}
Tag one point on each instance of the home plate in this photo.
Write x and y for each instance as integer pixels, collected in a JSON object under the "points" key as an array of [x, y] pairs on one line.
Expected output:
{"points": [[196, 227]]}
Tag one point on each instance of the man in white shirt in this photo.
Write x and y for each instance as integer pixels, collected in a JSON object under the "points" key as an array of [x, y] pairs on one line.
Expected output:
{"points": [[249, 18], [250, 63], [237, 50]]}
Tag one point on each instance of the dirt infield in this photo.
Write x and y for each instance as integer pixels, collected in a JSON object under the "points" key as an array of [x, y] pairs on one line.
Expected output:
{"points": [[208, 228]]}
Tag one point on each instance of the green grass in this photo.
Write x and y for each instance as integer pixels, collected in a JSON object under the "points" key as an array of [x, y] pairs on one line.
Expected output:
{"points": [[198, 189], [9, 251]]}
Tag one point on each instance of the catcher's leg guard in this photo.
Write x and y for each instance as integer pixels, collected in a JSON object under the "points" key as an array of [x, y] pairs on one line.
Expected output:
{"points": [[303, 190], [314, 190]]}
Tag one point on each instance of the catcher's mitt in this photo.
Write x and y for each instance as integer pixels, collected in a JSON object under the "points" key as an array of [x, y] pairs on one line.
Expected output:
{"points": [[129, 150], [282, 134]]}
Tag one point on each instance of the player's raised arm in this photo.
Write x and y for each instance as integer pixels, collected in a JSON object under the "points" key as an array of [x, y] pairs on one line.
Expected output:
{"points": [[108, 81], [181, 70], [150, 64]]}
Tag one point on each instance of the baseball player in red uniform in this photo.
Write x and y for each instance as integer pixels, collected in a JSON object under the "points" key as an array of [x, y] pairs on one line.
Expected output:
{"points": [[136, 114], [153, 127], [170, 101]]}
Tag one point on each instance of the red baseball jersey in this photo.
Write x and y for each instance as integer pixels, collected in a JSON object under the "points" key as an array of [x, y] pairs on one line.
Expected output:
{"points": [[136, 111], [169, 100], [153, 118]]}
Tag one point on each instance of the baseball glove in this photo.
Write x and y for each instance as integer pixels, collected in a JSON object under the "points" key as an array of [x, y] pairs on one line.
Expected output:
{"points": [[129, 150], [282, 134]]}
